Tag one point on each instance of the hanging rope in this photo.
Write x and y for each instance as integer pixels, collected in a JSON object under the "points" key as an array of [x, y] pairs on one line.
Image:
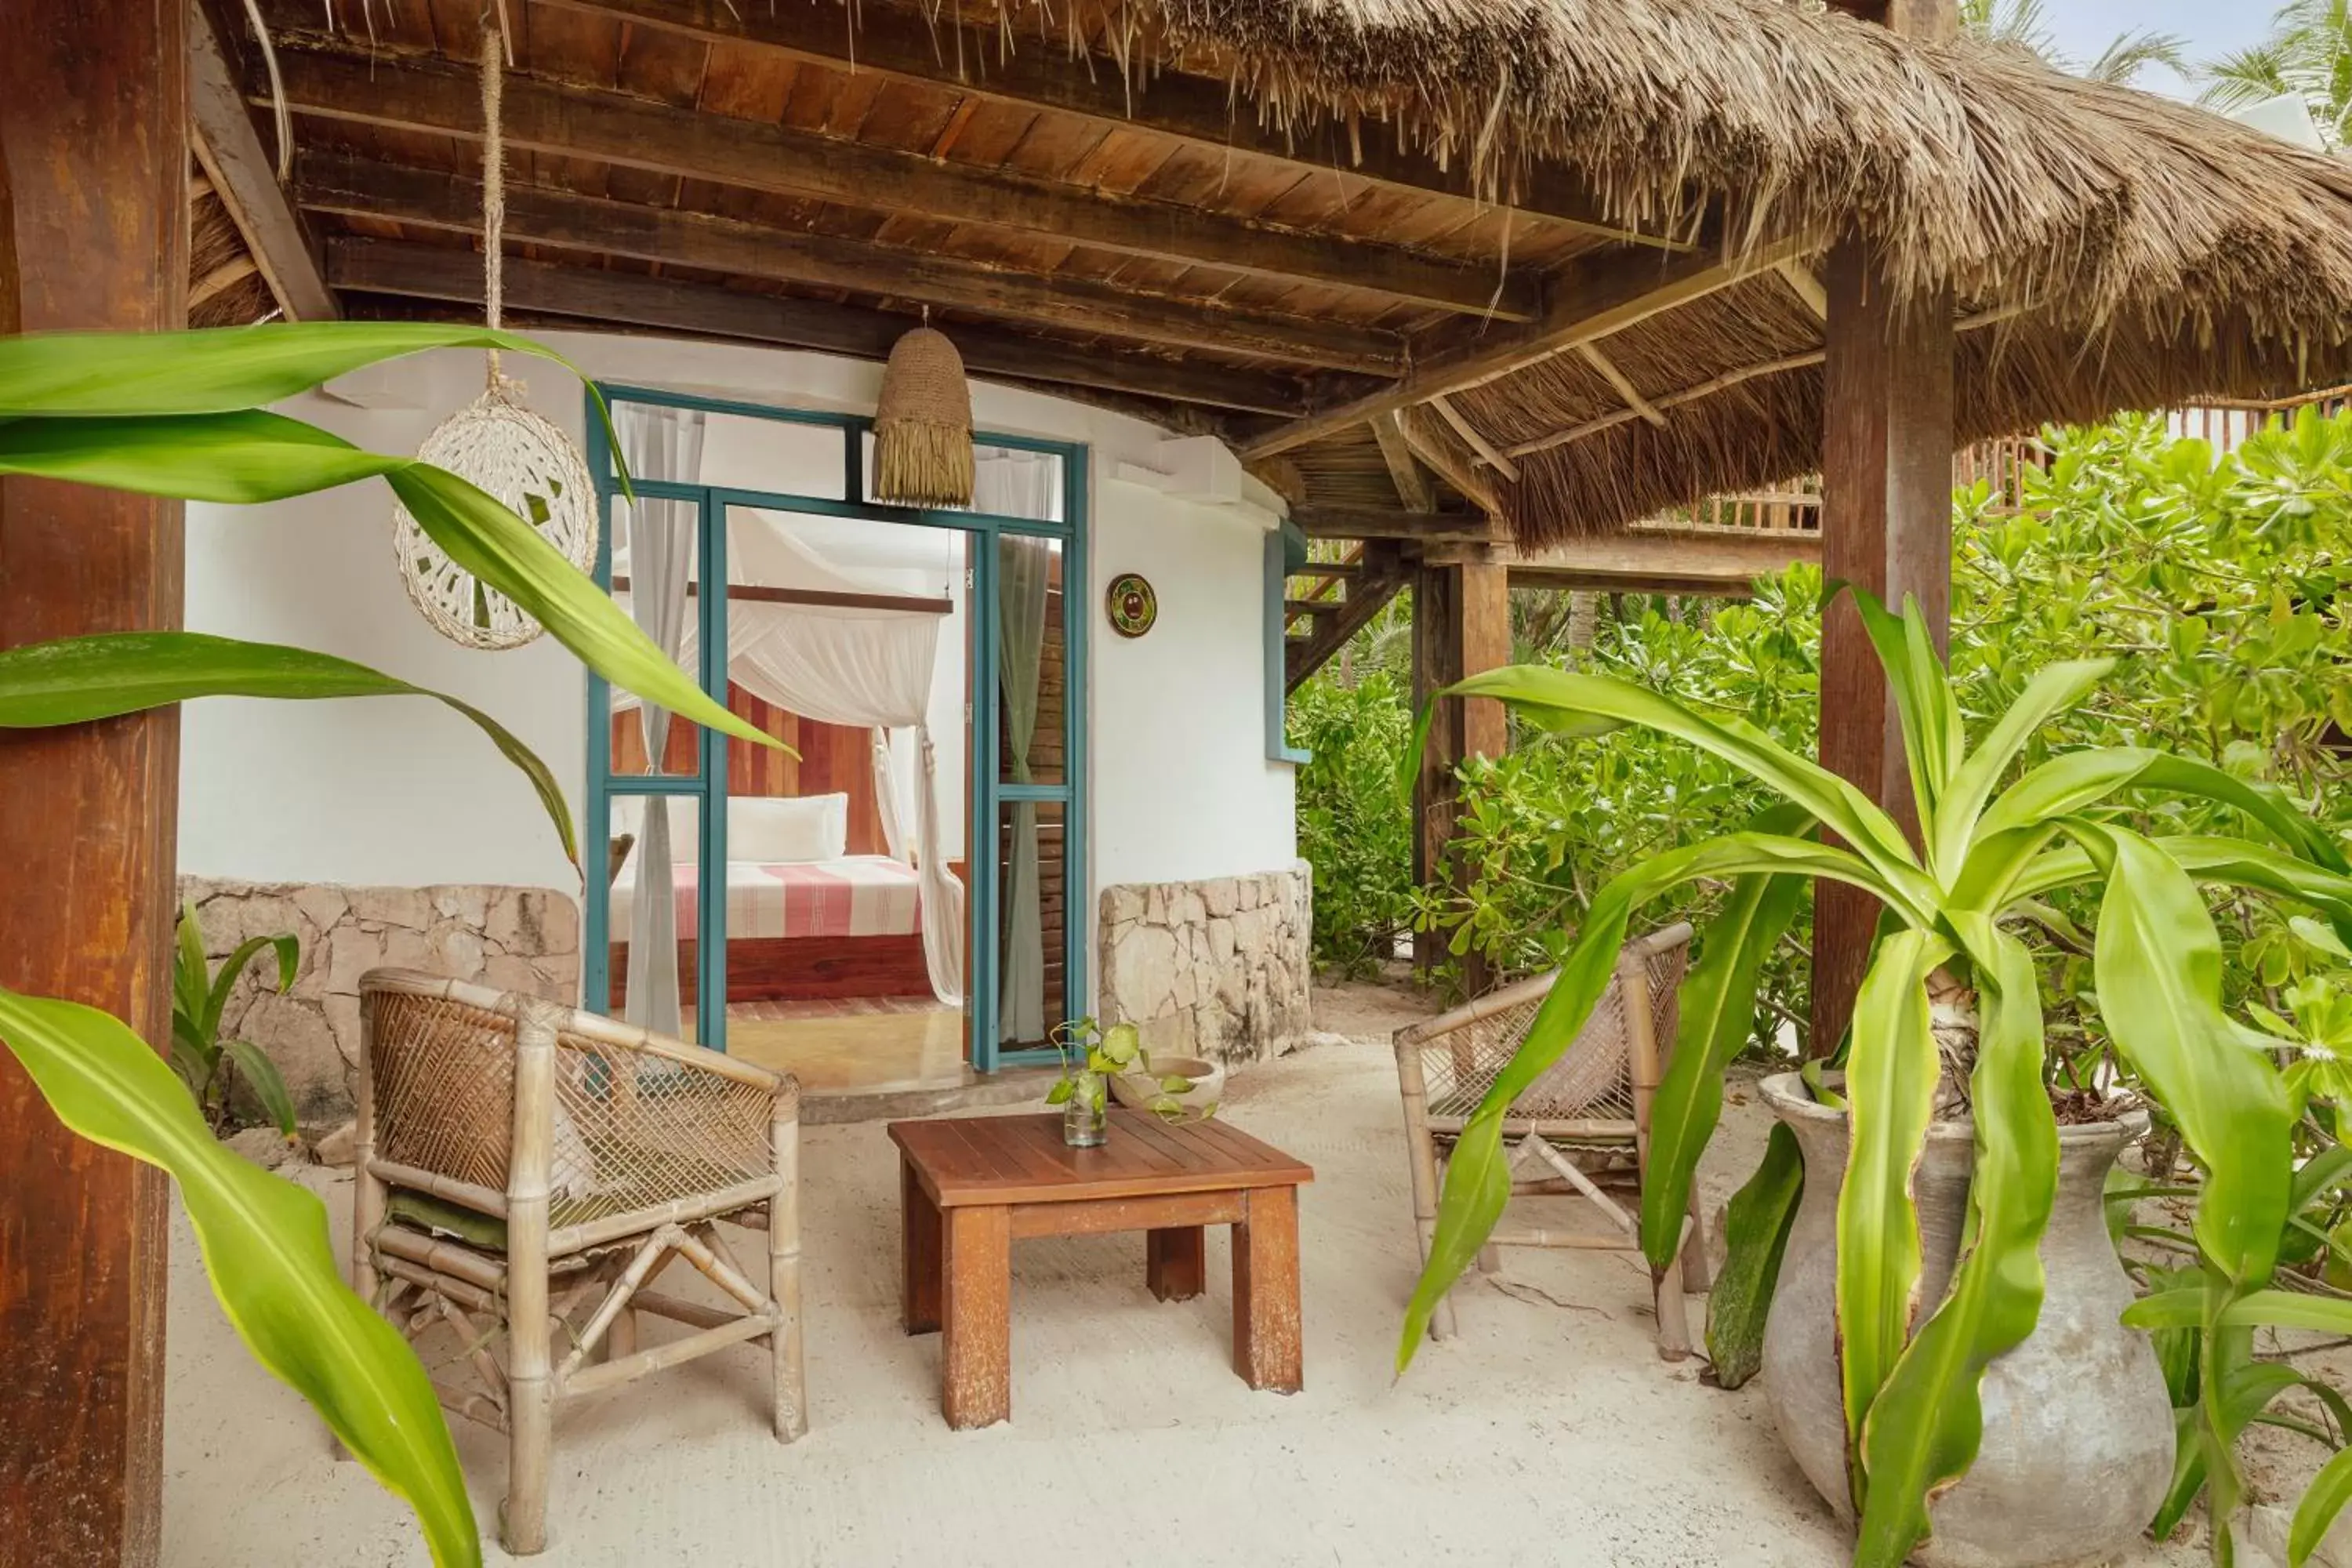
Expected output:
{"points": [[495, 442], [494, 181]]}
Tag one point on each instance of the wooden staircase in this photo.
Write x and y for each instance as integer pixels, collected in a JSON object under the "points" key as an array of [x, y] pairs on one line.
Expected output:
{"points": [[1335, 600]]}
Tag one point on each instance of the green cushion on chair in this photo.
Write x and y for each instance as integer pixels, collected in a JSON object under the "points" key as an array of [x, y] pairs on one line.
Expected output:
{"points": [[443, 1217]]}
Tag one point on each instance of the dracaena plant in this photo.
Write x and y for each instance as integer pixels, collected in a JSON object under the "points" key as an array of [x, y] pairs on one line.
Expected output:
{"points": [[185, 415], [1953, 901]]}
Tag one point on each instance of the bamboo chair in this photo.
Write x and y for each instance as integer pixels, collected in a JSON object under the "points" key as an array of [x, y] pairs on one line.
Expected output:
{"points": [[1582, 1128], [526, 1170]]}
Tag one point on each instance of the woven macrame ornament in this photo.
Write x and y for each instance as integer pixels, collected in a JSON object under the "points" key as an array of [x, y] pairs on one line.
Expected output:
{"points": [[498, 445], [523, 460], [922, 428]]}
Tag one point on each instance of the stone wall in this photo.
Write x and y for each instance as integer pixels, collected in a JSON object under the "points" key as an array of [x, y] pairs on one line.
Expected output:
{"points": [[517, 938], [1215, 969]]}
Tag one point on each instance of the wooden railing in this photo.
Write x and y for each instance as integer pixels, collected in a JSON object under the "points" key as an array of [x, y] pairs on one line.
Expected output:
{"points": [[2226, 423]]}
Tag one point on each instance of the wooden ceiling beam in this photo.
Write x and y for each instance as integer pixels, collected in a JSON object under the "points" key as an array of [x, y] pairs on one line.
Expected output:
{"points": [[1413, 486], [1587, 303], [594, 294], [242, 175], [421, 94], [337, 182], [1325, 521], [1710, 561], [1036, 73]]}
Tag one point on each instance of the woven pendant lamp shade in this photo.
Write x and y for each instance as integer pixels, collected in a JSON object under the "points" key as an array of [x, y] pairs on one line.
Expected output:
{"points": [[922, 430]]}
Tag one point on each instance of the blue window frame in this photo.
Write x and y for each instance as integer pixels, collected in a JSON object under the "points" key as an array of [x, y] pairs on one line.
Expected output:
{"points": [[708, 783], [1285, 552]]}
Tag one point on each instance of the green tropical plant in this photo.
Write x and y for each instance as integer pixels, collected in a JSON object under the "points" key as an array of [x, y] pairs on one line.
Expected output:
{"points": [[2307, 54], [1092, 1056], [184, 415], [1954, 903], [199, 997], [2025, 25]]}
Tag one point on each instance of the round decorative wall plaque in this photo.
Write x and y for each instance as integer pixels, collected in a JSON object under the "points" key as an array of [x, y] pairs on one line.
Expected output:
{"points": [[1131, 605]]}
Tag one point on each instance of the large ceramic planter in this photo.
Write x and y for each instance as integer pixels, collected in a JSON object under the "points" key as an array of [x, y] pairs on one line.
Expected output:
{"points": [[2078, 1432]]}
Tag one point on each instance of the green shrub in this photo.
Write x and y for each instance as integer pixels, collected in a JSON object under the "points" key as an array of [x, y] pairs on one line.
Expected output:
{"points": [[2219, 585], [1351, 827]]}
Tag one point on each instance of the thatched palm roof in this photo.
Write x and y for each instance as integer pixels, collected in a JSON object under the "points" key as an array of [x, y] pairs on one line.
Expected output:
{"points": [[1178, 241], [2131, 248]]}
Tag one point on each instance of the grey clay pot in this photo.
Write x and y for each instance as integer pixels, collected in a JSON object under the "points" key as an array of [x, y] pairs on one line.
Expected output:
{"points": [[2078, 1431]]}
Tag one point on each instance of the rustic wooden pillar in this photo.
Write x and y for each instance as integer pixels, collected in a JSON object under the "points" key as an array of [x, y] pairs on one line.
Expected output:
{"points": [[1461, 626], [93, 232], [1886, 525]]}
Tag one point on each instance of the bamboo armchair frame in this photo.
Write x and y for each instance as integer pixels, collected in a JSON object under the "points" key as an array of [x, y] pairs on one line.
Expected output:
{"points": [[607, 1151], [1582, 1129]]}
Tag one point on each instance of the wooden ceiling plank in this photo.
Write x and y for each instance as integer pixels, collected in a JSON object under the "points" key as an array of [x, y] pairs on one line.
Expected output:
{"points": [[348, 186], [632, 132], [1589, 302], [245, 179], [1196, 108], [430, 272]]}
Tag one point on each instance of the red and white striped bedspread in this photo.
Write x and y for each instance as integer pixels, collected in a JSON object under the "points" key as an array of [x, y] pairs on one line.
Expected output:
{"points": [[857, 895]]}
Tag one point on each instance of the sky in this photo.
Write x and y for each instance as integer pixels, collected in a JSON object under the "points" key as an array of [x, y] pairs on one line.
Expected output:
{"points": [[2212, 27]]}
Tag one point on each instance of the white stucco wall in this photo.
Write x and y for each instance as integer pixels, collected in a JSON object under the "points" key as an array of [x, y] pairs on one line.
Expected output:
{"points": [[403, 793]]}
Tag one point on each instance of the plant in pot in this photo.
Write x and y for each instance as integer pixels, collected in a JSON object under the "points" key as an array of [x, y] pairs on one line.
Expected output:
{"points": [[1943, 1348], [1094, 1059]]}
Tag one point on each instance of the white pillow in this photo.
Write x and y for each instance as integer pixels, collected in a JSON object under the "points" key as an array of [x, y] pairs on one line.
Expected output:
{"points": [[685, 824], [779, 831]]}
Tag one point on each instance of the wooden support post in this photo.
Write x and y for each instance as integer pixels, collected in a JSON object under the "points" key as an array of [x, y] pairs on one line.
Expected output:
{"points": [[93, 232], [1461, 626], [1886, 525]]}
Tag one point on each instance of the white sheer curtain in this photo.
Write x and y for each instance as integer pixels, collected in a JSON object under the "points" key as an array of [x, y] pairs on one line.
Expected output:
{"points": [[837, 665], [845, 667], [1021, 484], [658, 444]]}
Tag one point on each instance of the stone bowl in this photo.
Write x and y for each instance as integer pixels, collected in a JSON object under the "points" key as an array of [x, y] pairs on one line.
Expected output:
{"points": [[1138, 1090]]}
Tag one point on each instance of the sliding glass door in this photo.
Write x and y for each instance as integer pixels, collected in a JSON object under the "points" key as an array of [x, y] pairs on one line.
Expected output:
{"points": [[999, 858]]}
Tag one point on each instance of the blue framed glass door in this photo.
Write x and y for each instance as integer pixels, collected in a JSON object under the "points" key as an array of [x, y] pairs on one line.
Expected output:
{"points": [[1003, 791]]}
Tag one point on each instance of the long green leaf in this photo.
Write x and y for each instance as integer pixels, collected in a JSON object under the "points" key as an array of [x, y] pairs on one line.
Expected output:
{"points": [[266, 1251], [1718, 1015], [290, 954], [268, 1086], [76, 679], [2330, 1491], [1477, 1178], [239, 458], [191, 978], [215, 369], [2158, 965], [1891, 1074], [251, 456], [1923, 705], [2081, 780], [2053, 690], [1923, 1428], [1832, 801], [1755, 1235]]}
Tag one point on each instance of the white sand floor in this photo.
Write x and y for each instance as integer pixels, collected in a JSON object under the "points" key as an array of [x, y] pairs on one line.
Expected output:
{"points": [[1549, 1433]]}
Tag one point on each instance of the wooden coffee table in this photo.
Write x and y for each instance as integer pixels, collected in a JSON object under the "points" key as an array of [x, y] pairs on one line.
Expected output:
{"points": [[971, 1185]]}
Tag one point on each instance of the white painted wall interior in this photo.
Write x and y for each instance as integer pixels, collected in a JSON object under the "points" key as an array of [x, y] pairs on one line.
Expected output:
{"points": [[401, 792]]}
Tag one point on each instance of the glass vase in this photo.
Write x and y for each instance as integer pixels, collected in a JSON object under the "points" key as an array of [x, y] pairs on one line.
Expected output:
{"points": [[1086, 1115]]}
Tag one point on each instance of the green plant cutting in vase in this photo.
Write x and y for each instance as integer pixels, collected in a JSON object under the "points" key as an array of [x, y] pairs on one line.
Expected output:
{"points": [[185, 415], [1953, 903]]}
